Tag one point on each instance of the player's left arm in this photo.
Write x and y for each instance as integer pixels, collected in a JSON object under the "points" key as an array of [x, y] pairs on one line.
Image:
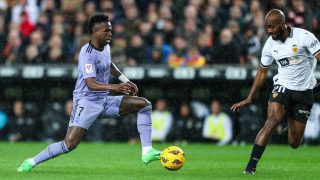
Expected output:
{"points": [[115, 72], [317, 56]]}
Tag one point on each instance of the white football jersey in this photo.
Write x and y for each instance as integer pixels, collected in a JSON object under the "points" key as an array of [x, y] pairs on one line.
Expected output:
{"points": [[295, 59]]}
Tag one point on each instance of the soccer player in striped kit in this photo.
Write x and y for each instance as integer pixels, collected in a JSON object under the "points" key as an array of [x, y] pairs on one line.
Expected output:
{"points": [[91, 99]]}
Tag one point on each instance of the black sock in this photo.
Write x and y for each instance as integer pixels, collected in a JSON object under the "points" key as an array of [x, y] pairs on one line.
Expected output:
{"points": [[256, 154]]}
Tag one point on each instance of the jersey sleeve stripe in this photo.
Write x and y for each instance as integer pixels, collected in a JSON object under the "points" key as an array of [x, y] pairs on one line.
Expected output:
{"points": [[264, 66], [316, 52]]}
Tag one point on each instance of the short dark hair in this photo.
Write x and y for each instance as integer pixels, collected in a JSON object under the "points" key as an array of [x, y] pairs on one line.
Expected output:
{"points": [[97, 18]]}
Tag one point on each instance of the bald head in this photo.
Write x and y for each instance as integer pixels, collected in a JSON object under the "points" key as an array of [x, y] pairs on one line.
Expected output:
{"points": [[275, 15], [275, 25]]}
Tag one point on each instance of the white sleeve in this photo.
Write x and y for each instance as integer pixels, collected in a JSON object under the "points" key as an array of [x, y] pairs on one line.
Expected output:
{"points": [[311, 43], [266, 57]]}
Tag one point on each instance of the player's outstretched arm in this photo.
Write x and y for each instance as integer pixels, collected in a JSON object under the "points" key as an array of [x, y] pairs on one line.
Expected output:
{"points": [[261, 76], [115, 72]]}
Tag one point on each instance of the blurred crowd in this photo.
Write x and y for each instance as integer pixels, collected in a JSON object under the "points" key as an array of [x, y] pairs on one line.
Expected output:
{"points": [[175, 33], [191, 122], [186, 122]]}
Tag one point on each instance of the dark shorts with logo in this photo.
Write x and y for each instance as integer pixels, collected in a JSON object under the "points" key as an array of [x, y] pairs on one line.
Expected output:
{"points": [[297, 103]]}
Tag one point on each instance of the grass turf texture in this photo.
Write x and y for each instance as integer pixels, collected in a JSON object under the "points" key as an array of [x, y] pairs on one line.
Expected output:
{"points": [[123, 161]]}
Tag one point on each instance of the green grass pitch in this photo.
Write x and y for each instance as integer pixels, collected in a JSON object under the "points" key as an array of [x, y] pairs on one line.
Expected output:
{"points": [[122, 161]]}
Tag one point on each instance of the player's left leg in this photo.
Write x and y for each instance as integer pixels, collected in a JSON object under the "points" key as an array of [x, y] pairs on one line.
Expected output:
{"points": [[297, 119], [131, 104], [295, 132], [85, 112]]}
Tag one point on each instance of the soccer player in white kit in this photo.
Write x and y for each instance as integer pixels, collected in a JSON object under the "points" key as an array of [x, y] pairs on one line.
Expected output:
{"points": [[296, 52], [91, 99]]}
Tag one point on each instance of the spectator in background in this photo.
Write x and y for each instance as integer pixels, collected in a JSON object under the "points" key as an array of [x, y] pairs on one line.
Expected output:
{"points": [[187, 128], [37, 40], [54, 53], [252, 44], [190, 31], [177, 57], [231, 50], [218, 125], [145, 31], [277, 4], [13, 47], [168, 31], [236, 32], [194, 58], [235, 14], [132, 20], [118, 49], [204, 46], [21, 126], [161, 121], [152, 14], [28, 6], [256, 17], [136, 51], [26, 27], [48, 7], [159, 51], [90, 8], [299, 15], [165, 15], [156, 56], [31, 55]]}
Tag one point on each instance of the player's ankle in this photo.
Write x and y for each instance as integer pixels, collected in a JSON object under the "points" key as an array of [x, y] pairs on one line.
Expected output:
{"points": [[31, 160], [146, 149]]}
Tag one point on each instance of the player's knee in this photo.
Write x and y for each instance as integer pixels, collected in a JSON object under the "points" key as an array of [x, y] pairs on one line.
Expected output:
{"points": [[144, 103], [294, 143], [71, 143]]}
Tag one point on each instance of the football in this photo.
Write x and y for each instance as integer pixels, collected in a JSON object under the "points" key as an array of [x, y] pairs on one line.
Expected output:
{"points": [[172, 158]]}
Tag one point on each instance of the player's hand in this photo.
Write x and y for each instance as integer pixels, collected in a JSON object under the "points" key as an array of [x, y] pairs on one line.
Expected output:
{"points": [[236, 107], [122, 88], [134, 89]]}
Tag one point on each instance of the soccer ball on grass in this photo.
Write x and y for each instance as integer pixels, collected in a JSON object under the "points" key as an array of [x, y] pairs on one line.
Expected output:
{"points": [[172, 158]]}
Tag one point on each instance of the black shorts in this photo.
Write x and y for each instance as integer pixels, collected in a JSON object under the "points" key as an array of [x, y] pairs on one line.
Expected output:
{"points": [[297, 103]]}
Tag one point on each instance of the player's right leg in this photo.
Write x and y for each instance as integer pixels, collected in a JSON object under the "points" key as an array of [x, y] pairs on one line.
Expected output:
{"points": [[70, 142], [276, 113], [142, 107]]}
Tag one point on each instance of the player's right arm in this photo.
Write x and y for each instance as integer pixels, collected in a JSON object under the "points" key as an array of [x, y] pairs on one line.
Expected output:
{"points": [[261, 76], [93, 85]]}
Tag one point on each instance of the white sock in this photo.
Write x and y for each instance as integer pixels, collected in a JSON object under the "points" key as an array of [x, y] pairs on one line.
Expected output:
{"points": [[32, 161], [146, 149]]}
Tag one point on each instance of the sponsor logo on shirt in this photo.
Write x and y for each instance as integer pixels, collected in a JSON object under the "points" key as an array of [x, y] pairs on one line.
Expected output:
{"points": [[284, 62], [89, 68]]}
